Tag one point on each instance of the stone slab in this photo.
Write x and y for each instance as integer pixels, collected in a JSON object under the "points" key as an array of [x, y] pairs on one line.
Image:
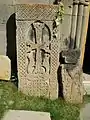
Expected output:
{"points": [[26, 115], [85, 112], [73, 89], [5, 65], [40, 80]]}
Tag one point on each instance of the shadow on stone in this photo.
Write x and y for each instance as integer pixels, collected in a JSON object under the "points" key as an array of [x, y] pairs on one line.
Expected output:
{"points": [[86, 64], [60, 84], [11, 44], [56, 2]]}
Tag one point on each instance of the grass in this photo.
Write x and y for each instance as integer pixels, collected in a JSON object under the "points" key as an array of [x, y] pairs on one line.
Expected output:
{"points": [[10, 98]]}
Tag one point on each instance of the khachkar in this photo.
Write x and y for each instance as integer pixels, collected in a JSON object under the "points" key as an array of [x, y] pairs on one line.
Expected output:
{"points": [[71, 67], [37, 50], [45, 67]]}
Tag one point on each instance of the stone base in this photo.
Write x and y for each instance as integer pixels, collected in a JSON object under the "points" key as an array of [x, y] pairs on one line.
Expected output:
{"points": [[26, 115], [73, 89]]}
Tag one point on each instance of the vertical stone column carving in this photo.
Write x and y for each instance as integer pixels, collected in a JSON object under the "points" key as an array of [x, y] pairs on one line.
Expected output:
{"points": [[84, 29], [54, 63], [79, 23], [84, 21], [74, 22]]}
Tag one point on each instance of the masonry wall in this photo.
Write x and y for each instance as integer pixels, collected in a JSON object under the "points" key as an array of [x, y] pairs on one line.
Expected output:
{"points": [[66, 24], [7, 9]]}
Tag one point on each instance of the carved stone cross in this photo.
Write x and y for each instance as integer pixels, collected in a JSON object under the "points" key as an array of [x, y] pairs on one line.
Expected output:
{"points": [[37, 50], [38, 46]]}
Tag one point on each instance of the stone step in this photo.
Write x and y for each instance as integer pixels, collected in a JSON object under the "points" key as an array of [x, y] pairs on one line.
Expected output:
{"points": [[26, 115]]}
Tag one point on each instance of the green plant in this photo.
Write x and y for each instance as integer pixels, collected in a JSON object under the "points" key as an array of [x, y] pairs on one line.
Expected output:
{"points": [[60, 14], [13, 99]]}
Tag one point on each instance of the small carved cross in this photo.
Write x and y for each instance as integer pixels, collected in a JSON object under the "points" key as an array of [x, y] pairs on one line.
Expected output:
{"points": [[38, 46]]}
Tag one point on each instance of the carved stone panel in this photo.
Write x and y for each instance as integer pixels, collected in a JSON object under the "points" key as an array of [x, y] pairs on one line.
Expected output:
{"points": [[37, 52], [73, 88]]}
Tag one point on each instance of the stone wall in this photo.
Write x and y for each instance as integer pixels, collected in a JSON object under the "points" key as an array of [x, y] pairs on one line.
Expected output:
{"points": [[8, 25], [7, 9]]}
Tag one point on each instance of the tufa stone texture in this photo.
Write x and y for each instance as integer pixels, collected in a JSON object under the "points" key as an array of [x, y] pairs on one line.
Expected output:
{"points": [[72, 77], [37, 50], [73, 88]]}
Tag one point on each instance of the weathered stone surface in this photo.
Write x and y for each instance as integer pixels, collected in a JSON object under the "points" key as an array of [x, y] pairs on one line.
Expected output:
{"points": [[72, 78], [26, 1], [36, 12], [86, 83], [2, 39], [73, 89], [5, 12], [26, 115], [68, 5], [5, 65], [65, 27], [32, 1], [71, 56], [37, 50], [87, 87], [6, 2], [85, 112]]}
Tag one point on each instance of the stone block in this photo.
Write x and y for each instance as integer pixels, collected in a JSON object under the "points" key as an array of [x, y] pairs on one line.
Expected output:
{"points": [[37, 71], [2, 39], [73, 88], [71, 56], [5, 65], [26, 115], [87, 87], [85, 112]]}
